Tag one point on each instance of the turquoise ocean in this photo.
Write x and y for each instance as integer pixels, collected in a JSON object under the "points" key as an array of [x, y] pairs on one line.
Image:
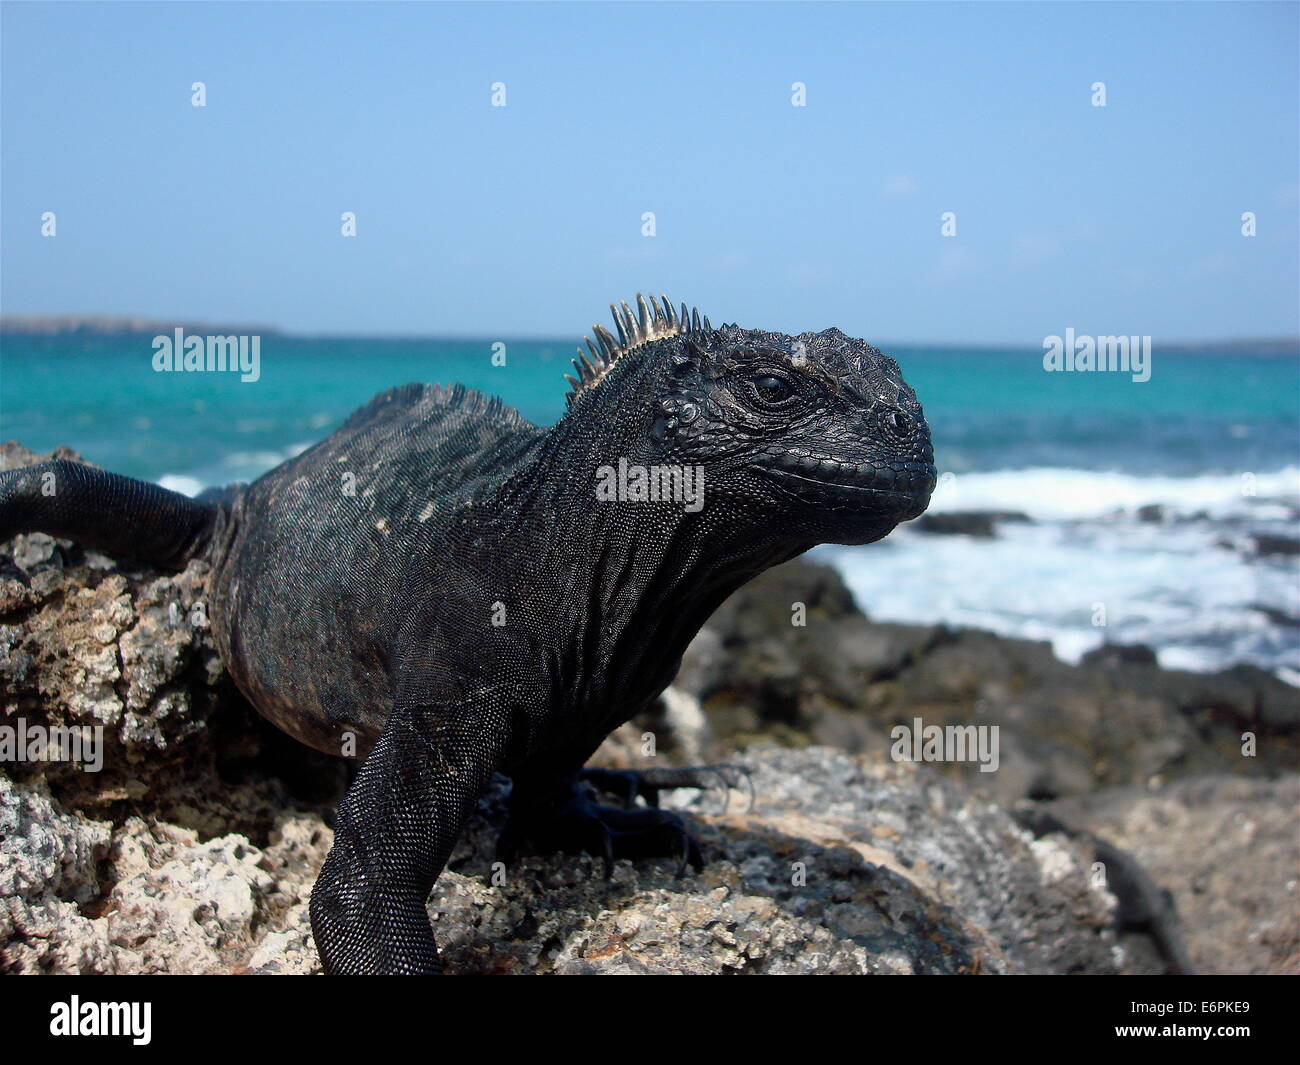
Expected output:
{"points": [[1212, 440]]}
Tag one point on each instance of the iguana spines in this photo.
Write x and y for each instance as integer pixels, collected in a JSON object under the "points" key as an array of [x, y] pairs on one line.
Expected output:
{"points": [[653, 320]]}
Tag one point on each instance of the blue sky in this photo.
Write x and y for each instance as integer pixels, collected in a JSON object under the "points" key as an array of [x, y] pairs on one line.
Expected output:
{"points": [[474, 220]]}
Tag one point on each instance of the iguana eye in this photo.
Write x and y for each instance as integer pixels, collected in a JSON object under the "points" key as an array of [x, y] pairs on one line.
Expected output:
{"points": [[771, 391]]}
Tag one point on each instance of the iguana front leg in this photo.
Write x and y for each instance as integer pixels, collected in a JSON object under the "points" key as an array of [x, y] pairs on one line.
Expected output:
{"points": [[394, 833]]}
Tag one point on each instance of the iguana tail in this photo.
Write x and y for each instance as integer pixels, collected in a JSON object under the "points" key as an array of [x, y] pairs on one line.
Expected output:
{"points": [[118, 515]]}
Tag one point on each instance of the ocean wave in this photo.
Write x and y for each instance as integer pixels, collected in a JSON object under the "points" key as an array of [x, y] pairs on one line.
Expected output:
{"points": [[238, 466]]}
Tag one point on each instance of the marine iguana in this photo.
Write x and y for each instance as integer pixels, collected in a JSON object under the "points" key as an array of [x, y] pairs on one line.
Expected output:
{"points": [[440, 580]]}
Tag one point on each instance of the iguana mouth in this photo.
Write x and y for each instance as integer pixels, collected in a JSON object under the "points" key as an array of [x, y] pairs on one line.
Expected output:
{"points": [[906, 486]]}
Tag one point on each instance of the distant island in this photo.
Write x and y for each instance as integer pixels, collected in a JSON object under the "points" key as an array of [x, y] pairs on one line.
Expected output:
{"points": [[37, 325], [117, 325]]}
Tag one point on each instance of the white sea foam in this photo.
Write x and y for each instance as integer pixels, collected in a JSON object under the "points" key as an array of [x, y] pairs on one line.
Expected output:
{"points": [[238, 466], [1056, 494], [179, 482]]}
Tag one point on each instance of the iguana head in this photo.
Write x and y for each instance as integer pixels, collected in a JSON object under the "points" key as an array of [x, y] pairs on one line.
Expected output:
{"points": [[819, 432]]}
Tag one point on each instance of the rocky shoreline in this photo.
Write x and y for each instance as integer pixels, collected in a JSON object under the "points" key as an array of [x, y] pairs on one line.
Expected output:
{"points": [[1123, 832]]}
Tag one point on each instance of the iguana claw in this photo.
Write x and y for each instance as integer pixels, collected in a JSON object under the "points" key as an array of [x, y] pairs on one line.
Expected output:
{"points": [[628, 784]]}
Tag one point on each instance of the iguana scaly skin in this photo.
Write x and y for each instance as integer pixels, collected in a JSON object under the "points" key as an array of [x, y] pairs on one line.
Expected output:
{"points": [[439, 579]]}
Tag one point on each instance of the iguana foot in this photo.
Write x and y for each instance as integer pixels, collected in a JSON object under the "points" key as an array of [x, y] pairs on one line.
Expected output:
{"points": [[568, 820]]}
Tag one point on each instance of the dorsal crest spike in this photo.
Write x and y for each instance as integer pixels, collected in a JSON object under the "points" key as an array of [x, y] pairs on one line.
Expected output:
{"points": [[629, 323], [618, 324], [608, 346], [654, 319]]}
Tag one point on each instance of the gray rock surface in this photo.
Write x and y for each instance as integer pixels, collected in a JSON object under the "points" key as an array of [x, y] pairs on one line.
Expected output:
{"points": [[144, 896], [841, 867], [1228, 849], [126, 649]]}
